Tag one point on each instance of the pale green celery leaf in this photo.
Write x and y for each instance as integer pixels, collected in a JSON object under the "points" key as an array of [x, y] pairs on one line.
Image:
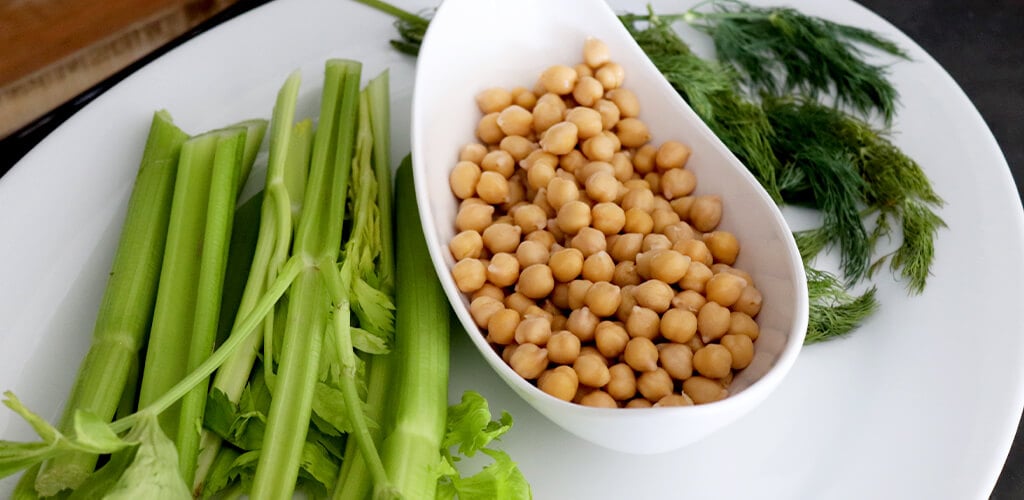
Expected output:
{"points": [[374, 309], [240, 425], [470, 426], [15, 457], [43, 428], [220, 413], [318, 466], [368, 342], [329, 407], [499, 480], [218, 478], [91, 431], [101, 481], [153, 473]]}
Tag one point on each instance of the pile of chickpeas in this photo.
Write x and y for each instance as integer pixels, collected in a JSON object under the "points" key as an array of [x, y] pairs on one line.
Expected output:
{"points": [[590, 262]]}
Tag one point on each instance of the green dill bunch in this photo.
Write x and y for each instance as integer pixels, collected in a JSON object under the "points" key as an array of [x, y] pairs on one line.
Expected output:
{"points": [[781, 50], [712, 91], [834, 311], [840, 165]]}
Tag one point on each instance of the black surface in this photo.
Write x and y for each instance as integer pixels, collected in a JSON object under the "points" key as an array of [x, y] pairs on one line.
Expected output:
{"points": [[979, 42]]}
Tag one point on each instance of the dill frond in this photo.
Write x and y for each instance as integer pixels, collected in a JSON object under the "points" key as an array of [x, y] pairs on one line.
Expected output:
{"points": [[781, 50], [913, 259], [834, 312]]}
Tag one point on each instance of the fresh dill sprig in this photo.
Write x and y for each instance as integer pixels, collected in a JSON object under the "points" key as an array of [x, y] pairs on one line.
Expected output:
{"points": [[411, 27], [781, 50], [834, 311]]}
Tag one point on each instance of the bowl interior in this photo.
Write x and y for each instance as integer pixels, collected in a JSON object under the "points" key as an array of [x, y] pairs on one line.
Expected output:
{"points": [[473, 45]]}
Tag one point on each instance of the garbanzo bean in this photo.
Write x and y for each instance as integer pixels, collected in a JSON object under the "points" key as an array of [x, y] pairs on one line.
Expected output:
{"points": [[625, 274], [531, 252], [678, 325], [639, 403], [523, 97], [741, 347], [603, 298], [663, 218], [501, 237], [610, 338], [573, 216], [621, 382], [492, 188], [561, 191], [721, 267], [515, 121], [529, 360], [501, 326], [643, 323], [696, 249], [463, 179], [582, 70], [632, 133], [602, 187], [473, 152], [599, 148], [628, 303], [677, 182], [543, 237], [653, 179], [563, 347], [582, 323], [533, 330], [742, 324], [503, 269], [676, 359], [588, 241], [469, 275], [578, 292], [535, 281], [547, 112], [529, 218], [723, 246], [706, 212], [566, 264], [573, 161], [466, 244], [654, 384], [671, 155], [488, 131], [499, 161], [560, 382], [669, 266], [725, 288], [674, 400], [599, 267], [488, 290], [712, 361], [560, 138], [626, 246], [598, 399], [622, 167], [518, 302], [587, 91], [704, 390], [611, 75], [608, 217], [712, 321], [689, 300], [482, 308], [558, 79], [682, 206], [638, 221], [654, 294], [595, 53], [591, 370], [655, 241], [626, 101], [749, 302], [696, 277], [493, 100], [679, 231], [609, 113]]}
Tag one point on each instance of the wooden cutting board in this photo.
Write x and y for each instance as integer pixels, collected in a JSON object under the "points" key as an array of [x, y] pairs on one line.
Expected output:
{"points": [[52, 50]]}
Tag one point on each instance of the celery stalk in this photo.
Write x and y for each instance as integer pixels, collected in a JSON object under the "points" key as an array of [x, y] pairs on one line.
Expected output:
{"points": [[127, 304], [420, 381], [317, 243], [227, 168]]}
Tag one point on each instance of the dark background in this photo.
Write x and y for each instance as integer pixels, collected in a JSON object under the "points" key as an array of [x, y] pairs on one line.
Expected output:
{"points": [[981, 44]]}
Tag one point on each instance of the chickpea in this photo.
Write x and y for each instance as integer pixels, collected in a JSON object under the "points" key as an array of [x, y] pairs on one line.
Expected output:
{"points": [[561, 191], [679, 231], [535, 281], [558, 321], [588, 241], [599, 148], [682, 206], [622, 167], [609, 113], [492, 188], [547, 112], [661, 219], [712, 321], [749, 302], [463, 179], [677, 360], [560, 296], [488, 131], [603, 298], [621, 382], [507, 352], [533, 330], [560, 138], [529, 218], [493, 100], [503, 270], [742, 324], [610, 338], [558, 79], [560, 382], [482, 308], [643, 323], [642, 199], [578, 292], [501, 326], [488, 290], [563, 347], [697, 250], [611, 75], [674, 400], [703, 390], [598, 399], [633, 132], [531, 252], [643, 262], [466, 244], [672, 155], [654, 294], [625, 274], [626, 246], [628, 303], [566, 264], [529, 360], [501, 237], [694, 343], [677, 182], [638, 221], [587, 91], [654, 384], [582, 70], [599, 267], [590, 168], [654, 241], [499, 161], [678, 325], [473, 152], [641, 354], [725, 288], [696, 277], [669, 266], [721, 267], [519, 302], [595, 52], [543, 237], [608, 218], [689, 300], [706, 212], [582, 323], [572, 161], [654, 181], [741, 347], [591, 370], [523, 97], [602, 187], [469, 275], [573, 216], [639, 403], [712, 361]]}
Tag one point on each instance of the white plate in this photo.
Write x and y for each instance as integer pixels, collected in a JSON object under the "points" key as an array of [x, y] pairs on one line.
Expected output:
{"points": [[922, 402]]}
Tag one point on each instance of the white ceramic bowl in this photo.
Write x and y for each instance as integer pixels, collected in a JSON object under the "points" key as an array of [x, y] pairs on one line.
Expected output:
{"points": [[476, 44]]}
